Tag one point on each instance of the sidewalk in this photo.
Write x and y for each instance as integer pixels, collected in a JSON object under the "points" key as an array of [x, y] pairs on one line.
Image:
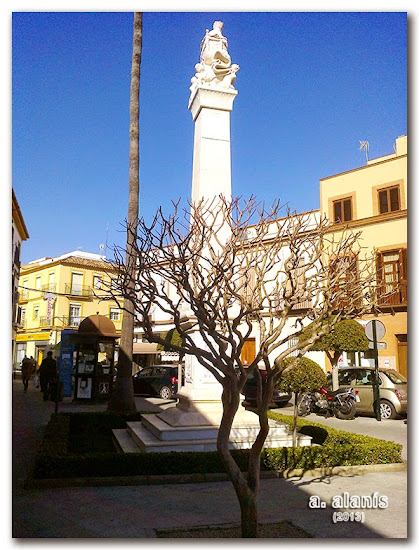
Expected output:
{"points": [[139, 511]]}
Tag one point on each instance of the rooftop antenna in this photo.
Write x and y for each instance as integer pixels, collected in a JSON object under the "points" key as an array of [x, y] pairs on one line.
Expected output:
{"points": [[365, 145], [106, 240]]}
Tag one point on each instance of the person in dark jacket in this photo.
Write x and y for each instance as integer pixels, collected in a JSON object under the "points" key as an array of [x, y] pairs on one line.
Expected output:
{"points": [[27, 370], [47, 375]]}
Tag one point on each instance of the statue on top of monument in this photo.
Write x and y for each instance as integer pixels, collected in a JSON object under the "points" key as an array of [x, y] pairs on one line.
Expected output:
{"points": [[214, 69]]}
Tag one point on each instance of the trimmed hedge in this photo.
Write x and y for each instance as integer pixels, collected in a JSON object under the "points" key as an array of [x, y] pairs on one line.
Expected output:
{"points": [[332, 448], [82, 432]]}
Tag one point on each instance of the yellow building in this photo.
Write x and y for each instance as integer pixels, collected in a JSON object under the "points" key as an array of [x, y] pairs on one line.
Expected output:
{"points": [[19, 234], [373, 199], [58, 293]]}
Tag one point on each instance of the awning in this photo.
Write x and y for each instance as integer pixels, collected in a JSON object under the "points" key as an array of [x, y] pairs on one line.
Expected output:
{"points": [[169, 356], [144, 348]]}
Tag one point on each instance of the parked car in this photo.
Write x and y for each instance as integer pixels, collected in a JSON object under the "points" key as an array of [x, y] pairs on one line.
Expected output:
{"points": [[393, 389], [158, 380], [279, 399]]}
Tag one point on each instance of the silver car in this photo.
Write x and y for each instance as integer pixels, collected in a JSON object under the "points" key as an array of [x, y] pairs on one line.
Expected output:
{"points": [[393, 389]]}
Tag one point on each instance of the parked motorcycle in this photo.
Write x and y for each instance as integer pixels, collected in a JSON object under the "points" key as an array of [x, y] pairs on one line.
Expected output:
{"points": [[340, 403]]}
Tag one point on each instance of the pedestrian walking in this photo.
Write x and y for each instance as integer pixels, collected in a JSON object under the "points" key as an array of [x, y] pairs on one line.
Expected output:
{"points": [[35, 370], [47, 375], [27, 370]]}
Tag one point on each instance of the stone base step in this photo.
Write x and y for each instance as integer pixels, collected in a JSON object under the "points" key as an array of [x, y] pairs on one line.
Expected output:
{"points": [[165, 432], [145, 441], [124, 442]]}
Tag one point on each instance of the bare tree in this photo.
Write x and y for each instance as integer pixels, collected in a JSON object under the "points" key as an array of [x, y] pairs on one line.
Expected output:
{"points": [[237, 267], [122, 398]]}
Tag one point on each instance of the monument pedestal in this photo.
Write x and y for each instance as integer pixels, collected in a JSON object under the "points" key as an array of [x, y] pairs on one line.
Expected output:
{"points": [[192, 424], [173, 431]]}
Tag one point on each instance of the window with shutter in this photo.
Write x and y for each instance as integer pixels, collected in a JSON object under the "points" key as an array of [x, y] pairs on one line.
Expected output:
{"points": [[97, 282], [51, 285], [114, 314], [403, 275], [392, 277], [300, 292], [342, 210], [74, 317], [76, 284], [343, 280], [389, 199], [247, 283]]}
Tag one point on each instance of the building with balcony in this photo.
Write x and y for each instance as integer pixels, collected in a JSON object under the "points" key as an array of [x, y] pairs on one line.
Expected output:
{"points": [[19, 234], [372, 199], [58, 293]]}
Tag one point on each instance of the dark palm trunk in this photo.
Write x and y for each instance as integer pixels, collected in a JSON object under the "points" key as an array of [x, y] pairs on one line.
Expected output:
{"points": [[294, 422], [122, 398]]}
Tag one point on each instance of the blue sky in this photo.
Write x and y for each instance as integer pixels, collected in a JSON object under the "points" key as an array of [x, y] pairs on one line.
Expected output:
{"points": [[310, 86]]}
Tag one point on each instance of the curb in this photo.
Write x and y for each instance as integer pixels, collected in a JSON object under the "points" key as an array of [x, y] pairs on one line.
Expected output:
{"points": [[202, 478]]}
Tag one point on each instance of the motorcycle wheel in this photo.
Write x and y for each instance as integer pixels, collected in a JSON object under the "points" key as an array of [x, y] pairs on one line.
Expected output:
{"points": [[303, 407], [347, 411]]}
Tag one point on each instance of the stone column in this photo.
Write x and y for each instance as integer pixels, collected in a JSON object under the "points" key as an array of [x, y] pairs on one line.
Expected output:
{"points": [[211, 175], [210, 102]]}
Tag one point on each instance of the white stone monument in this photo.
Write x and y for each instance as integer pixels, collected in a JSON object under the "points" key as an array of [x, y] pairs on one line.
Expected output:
{"points": [[192, 425], [210, 102]]}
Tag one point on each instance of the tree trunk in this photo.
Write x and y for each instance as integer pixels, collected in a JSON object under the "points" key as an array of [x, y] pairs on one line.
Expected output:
{"points": [[122, 398], [249, 516], [247, 490], [334, 359]]}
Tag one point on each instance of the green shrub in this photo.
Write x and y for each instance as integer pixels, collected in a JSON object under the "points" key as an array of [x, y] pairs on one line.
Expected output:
{"points": [[305, 376], [332, 448], [56, 436], [347, 335], [172, 336]]}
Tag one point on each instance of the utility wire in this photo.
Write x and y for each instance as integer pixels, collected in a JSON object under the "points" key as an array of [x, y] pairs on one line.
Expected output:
{"points": [[104, 297]]}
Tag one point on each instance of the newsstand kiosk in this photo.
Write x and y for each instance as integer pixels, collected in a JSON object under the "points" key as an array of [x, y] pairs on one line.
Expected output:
{"points": [[95, 348]]}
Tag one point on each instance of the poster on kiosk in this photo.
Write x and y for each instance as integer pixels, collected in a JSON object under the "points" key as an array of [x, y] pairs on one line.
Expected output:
{"points": [[66, 361]]}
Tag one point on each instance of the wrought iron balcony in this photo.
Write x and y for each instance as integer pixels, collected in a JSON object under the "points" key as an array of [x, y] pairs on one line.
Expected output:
{"points": [[61, 322], [302, 305], [23, 295], [78, 290], [50, 287], [393, 293]]}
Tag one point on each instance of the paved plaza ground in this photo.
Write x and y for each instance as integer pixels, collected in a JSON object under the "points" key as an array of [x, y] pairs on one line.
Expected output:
{"points": [[392, 430], [143, 511]]}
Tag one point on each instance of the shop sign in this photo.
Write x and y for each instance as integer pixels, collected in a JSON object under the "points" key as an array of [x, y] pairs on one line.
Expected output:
{"points": [[50, 298], [38, 337]]}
